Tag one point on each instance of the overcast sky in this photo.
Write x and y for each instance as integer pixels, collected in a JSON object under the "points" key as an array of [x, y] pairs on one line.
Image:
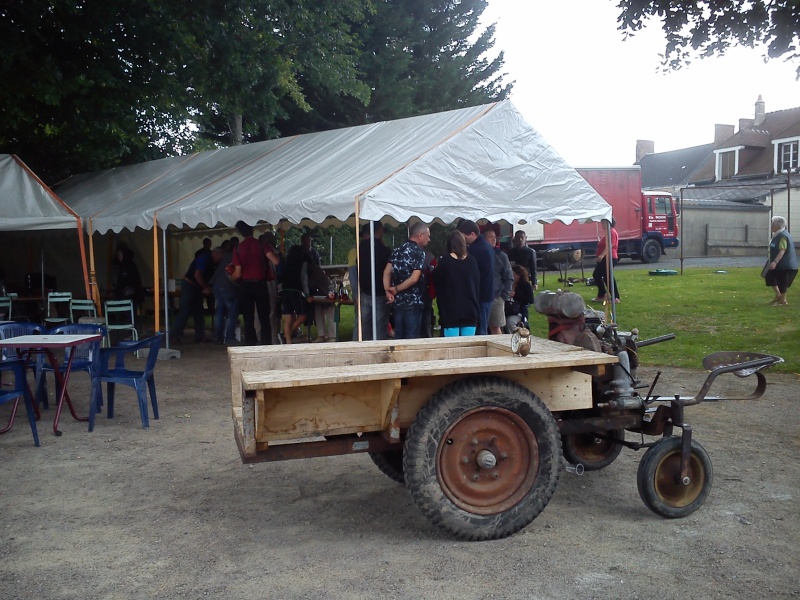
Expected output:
{"points": [[592, 95]]}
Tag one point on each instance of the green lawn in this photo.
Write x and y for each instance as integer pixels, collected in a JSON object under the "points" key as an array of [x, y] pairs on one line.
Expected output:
{"points": [[708, 312]]}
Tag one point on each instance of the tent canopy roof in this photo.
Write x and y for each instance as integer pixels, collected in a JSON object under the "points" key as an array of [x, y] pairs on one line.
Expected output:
{"points": [[483, 162], [27, 204]]}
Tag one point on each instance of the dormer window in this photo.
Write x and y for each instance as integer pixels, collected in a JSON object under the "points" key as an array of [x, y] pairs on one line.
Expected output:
{"points": [[786, 155], [727, 162]]}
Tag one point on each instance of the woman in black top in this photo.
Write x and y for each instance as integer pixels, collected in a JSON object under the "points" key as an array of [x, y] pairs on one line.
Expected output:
{"points": [[456, 279], [522, 296]]}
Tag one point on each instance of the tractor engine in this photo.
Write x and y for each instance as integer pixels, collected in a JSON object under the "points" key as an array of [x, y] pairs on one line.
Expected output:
{"points": [[570, 321]]}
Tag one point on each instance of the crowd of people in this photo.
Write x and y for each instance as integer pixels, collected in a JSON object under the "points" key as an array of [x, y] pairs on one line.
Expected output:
{"points": [[474, 283], [252, 280], [478, 288]]}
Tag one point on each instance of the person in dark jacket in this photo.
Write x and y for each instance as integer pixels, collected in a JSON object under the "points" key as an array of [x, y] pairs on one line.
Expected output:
{"points": [[522, 254], [521, 298], [127, 281], [478, 247], [194, 287], [456, 278]]}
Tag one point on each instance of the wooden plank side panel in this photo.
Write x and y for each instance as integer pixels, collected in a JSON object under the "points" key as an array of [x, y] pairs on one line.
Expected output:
{"points": [[559, 388], [444, 353], [311, 411], [362, 373]]}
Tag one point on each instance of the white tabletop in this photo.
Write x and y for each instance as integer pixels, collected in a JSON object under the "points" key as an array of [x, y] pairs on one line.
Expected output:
{"points": [[48, 341]]}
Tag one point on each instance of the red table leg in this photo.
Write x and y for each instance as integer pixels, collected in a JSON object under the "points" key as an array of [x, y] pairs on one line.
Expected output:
{"points": [[63, 379]]}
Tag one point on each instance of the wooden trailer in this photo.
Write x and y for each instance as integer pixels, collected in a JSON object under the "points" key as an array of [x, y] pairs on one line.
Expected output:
{"points": [[479, 433], [475, 420]]}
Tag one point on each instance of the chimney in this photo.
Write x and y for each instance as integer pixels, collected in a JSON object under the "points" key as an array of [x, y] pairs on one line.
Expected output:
{"points": [[746, 124], [722, 133], [644, 147], [760, 112]]}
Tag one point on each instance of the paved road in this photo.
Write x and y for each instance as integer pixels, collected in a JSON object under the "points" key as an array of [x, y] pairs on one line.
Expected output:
{"points": [[672, 261]]}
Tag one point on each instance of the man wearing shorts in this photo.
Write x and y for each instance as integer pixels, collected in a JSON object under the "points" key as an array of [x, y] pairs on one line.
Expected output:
{"points": [[293, 304]]}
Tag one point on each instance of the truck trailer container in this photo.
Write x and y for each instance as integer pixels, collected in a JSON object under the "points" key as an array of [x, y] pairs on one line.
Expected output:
{"points": [[647, 222]]}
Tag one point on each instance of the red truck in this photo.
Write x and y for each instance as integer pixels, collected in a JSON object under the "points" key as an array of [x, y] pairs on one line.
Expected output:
{"points": [[647, 222]]}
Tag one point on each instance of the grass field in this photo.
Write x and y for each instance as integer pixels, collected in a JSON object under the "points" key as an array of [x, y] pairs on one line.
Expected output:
{"points": [[707, 311]]}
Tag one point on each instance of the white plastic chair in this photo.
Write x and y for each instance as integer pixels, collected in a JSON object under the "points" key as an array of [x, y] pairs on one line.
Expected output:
{"points": [[120, 317], [84, 308], [54, 300]]}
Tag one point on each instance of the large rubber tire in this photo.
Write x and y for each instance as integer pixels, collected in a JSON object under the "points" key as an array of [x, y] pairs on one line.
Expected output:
{"points": [[593, 452], [390, 463], [477, 419], [651, 252], [657, 479]]}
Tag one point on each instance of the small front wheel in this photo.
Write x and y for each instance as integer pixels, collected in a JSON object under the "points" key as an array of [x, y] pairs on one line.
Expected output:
{"points": [[659, 479], [591, 450]]}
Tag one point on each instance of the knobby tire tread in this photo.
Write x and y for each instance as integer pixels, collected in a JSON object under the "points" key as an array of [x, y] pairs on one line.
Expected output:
{"points": [[428, 429]]}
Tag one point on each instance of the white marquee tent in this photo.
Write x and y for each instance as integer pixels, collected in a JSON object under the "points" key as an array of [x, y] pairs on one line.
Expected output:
{"points": [[478, 163], [27, 204]]}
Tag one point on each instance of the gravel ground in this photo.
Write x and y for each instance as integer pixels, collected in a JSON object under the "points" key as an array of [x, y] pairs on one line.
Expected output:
{"points": [[171, 512]]}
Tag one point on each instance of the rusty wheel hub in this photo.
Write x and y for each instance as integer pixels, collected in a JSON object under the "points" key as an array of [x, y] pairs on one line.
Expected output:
{"points": [[487, 460], [670, 488], [591, 447]]}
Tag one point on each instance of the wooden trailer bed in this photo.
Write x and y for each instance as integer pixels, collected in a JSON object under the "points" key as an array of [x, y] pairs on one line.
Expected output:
{"points": [[305, 392]]}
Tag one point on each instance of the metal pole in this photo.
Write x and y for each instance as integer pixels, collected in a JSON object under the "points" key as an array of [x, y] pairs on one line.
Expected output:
{"points": [[788, 200], [166, 288], [45, 305], [682, 233], [372, 278]]}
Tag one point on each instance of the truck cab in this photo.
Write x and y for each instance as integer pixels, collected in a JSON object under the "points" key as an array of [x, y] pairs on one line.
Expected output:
{"points": [[659, 219]]}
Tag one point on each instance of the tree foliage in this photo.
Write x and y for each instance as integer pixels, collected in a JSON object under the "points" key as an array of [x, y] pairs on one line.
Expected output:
{"points": [[711, 27], [87, 85], [417, 57]]}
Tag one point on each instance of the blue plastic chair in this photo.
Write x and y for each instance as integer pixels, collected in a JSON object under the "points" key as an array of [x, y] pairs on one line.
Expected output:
{"points": [[17, 391], [83, 359], [141, 381], [9, 330]]}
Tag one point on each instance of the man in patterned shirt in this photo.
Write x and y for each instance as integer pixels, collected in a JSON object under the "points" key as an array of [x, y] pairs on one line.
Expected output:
{"points": [[401, 280]]}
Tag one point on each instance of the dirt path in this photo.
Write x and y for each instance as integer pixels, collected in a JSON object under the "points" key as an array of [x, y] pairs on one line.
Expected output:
{"points": [[172, 513]]}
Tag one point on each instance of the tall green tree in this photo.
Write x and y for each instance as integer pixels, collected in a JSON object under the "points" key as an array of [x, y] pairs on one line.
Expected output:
{"points": [[256, 53], [710, 27], [86, 85], [418, 57]]}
